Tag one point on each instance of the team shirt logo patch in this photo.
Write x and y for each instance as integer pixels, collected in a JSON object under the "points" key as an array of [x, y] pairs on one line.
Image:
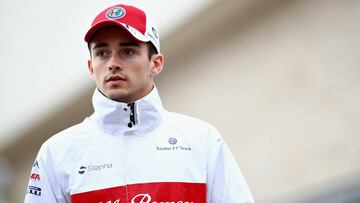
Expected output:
{"points": [[36, 164], [115, 13], [82, 169], [35, 176], [94, 168], [172, 140], [35, 190]]}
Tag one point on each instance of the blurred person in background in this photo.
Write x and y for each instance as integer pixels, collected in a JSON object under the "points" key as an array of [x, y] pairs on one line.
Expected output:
{"points": [[131, 149]]}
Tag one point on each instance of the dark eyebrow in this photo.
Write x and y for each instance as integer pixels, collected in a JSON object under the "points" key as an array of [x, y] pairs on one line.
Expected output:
{"points": [[124, 44], [100, 45], [127, 44]]}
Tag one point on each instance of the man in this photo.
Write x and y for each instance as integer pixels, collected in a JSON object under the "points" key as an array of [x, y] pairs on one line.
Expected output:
{"points": [[131, 149]]}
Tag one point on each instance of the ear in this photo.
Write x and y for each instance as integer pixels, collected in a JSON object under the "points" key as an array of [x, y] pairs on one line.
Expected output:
{"points": [[157, 64], [91, 69]]}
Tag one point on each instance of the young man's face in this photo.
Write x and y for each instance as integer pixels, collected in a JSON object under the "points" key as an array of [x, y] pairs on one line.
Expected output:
{"points": [[120, 65]]}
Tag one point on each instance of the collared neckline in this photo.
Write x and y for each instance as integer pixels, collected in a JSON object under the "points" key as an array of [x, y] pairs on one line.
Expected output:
{"points": [[118, 118]]}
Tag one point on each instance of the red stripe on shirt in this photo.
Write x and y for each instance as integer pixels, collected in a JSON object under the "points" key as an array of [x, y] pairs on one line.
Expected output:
{"points": [[162, 192]]}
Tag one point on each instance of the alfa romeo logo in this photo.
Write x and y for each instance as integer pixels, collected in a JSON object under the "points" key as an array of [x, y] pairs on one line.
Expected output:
{"points": [[172, 140], [115, 13]]}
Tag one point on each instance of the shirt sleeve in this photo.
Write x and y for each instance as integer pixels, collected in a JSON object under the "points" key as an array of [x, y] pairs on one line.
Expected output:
{"points": [[225, 182], [43, 186]]}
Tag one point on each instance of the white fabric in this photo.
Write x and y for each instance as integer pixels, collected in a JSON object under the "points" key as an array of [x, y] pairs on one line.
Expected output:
{"points": [[115, 154]]}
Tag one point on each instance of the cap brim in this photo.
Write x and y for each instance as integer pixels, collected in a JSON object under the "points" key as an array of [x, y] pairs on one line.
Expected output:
{"points": [[134, 33]]}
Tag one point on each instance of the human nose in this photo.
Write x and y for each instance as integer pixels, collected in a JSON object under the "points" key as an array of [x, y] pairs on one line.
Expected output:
{"points": [[114, 64]]}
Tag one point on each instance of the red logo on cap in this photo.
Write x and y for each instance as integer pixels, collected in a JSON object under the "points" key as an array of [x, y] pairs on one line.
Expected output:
{"points": [[115, 13]]}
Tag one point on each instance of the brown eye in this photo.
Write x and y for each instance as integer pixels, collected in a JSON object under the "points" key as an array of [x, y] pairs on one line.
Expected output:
{"points": [[128, 52], [101, 53]]}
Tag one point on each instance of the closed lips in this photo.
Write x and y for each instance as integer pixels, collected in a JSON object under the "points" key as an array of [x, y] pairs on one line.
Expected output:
{"points": [[115, 78]]}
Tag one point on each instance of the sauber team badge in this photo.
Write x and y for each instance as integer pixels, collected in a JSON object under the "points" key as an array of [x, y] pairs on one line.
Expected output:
{"points": [[115, 13]]}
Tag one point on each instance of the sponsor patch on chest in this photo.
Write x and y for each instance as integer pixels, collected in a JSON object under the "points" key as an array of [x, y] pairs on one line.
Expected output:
{"points": [[173, 146]]}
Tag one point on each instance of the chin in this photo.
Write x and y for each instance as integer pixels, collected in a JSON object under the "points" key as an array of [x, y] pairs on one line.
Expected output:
{"points": [[117, 95]]}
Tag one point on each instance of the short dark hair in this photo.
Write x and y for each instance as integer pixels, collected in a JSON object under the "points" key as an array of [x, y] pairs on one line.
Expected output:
{"points": [[151, 49]]}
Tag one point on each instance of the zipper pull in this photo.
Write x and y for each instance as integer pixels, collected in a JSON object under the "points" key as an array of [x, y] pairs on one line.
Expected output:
{"points": [[132, 115]]}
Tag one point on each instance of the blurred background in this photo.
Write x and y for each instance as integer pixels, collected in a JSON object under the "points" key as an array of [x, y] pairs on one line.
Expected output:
{"points": [[280, 79]]}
